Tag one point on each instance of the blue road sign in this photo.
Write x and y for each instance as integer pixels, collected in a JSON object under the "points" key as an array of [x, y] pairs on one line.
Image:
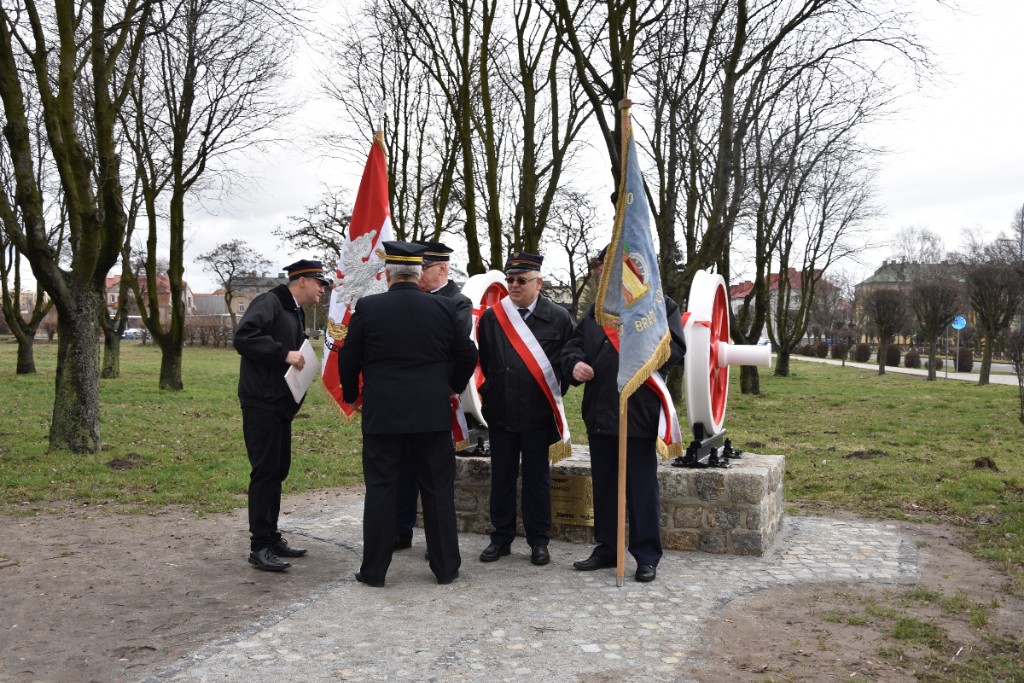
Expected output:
{"points": [[959, 323]]}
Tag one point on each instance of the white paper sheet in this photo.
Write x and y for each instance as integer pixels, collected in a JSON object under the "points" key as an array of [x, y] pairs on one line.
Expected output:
{"points": [[299, 380]]}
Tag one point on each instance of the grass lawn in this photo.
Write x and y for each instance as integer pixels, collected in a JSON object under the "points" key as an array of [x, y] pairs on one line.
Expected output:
{"points": [[889, 447], [159, 447]]}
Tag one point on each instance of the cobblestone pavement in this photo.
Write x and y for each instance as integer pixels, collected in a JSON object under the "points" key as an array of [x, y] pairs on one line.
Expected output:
{"points": [[510, 620]]}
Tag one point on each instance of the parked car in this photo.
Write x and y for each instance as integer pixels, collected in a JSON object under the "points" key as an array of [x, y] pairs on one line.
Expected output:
{"points": [[134, 333]]}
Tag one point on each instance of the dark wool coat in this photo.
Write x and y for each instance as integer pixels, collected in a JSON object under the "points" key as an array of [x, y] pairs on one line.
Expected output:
{"points": [[463, 306], [410, 349], [511, 398], [591, 345], [268, 330]]}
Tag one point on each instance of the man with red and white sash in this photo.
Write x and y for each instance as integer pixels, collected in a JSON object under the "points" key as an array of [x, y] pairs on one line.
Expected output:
{"points": [[520, 342]]}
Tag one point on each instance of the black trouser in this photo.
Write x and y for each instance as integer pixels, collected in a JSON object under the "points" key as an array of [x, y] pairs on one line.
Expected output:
{"points": [[643, 503], [408, 494], [431, 457], [268, 440], [506, 449]]}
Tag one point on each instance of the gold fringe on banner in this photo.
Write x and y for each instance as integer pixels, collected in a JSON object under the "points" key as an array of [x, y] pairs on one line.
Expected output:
{"points": [[462, 445], [660, 356], [559, 451], [347, 419], [668, 452]]}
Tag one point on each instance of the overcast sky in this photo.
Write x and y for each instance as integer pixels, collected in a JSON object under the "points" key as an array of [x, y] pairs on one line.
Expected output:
{"points": [[957, 157]]}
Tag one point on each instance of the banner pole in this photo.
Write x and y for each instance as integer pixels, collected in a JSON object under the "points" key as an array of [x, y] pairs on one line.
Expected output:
{"points": [[620, 538]]}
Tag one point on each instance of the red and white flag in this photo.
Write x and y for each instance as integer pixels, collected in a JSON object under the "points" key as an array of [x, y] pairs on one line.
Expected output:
{"points": [[360, 270]]}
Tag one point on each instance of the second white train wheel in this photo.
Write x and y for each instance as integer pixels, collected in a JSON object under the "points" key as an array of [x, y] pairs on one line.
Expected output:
{"points": [[484, 290]]}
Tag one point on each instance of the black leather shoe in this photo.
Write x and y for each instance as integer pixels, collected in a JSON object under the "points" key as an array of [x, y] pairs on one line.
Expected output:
{"points": [[362, 579], [592, 563], [492, 552], [646, 573], [539, 555], [402, 543], [265, 559], [446, 581], [282, 549]]}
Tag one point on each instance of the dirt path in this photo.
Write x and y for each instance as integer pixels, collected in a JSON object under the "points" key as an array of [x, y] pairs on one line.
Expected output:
{"points": [[93, 596]]}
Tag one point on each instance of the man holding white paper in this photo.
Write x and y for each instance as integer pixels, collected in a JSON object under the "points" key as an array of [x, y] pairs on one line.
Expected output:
{"points": [[270, 338]]}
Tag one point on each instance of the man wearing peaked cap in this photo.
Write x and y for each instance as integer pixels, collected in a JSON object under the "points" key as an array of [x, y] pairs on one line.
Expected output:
{"points": [[525, 418], [412, 354], [307, 269], [268, 338], [433, 280]]}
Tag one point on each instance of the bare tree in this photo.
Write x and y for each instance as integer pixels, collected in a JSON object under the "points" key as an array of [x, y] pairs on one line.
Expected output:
{"points": [[934, 299], [322, 229], [13, 294], [571, 229], [994, 290], [915, 244], [886, 308], [237, 267], [62, 48], [378, 83], [206, 88], [1015, 351], [481, 112]]}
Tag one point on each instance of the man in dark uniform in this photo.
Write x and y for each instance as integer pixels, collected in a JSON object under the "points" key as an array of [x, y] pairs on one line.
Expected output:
{"points": [[433, 280], [591, 357], [517, 344], [268, 338], [412, 354]]}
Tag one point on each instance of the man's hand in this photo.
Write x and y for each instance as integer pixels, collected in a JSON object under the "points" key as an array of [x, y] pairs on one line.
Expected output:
{"points": [[295, 358], [581, 372]]}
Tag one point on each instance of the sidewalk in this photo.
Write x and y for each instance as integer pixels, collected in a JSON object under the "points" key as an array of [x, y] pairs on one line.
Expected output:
{"points": [[994, 378], [511, 620]]}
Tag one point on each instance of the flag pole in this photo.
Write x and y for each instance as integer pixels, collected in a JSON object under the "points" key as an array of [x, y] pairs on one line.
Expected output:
{"points": [[620, 538]]}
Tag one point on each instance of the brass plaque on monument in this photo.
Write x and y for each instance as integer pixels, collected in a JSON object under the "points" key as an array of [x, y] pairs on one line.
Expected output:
{"points": [[572, 500]]}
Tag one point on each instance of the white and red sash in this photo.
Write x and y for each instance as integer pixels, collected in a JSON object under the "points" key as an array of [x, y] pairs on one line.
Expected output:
{"points": [[460, 430], [530, 351], [670, 437]]}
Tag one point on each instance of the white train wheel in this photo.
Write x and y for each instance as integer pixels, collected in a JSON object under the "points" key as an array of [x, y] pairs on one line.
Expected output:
{"points": [[709, 353], [706, 325], [484, 290]]}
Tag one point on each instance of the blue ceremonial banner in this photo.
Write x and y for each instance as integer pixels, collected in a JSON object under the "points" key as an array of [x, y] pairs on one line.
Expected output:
{"points": [[630, 299]]}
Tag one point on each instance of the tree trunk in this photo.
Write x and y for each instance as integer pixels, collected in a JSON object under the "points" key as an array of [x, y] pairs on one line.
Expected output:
{"points": [[986, 362], [170, 364], [750, 380], [76, 405], [111, 368], [26, 356], [782, 364], [932, 350], [882, 347], [26, 349]]}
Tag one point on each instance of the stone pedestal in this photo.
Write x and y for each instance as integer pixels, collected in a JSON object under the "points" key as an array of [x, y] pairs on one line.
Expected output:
{"points": [[736, 511]]}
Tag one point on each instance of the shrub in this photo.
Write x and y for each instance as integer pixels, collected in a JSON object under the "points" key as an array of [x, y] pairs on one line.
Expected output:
{"points": [[821, 349], [912, 359], [838, 351], [938, 363], [965, 360], [892, 355], [862, 353]]}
